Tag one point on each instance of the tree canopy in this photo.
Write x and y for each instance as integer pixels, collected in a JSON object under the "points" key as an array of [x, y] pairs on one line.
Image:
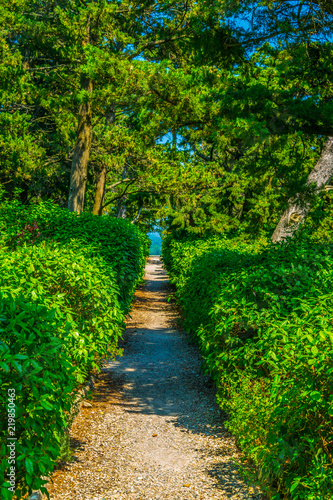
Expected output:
{"points": [[206, 116]]}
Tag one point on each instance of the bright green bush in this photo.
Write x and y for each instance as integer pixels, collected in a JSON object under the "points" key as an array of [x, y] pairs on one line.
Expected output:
{"points": [[67, 282], [119, 243], [263, 322], [36, 370], [83, 292]]}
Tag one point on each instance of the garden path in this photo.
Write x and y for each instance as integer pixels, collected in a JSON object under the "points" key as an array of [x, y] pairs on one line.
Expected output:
{"points": [[153, 430]]}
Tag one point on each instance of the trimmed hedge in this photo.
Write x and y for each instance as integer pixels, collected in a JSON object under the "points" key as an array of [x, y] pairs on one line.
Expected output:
{"points": [[262, 318], [120, 244], [35, 369], [82, 291], [66, 282]]}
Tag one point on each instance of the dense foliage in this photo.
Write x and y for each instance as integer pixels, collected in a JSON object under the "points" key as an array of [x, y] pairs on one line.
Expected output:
{"points": [[208, 115], [66, 282], [37, 381], [120, 244], [260, 314], [205, 118]]}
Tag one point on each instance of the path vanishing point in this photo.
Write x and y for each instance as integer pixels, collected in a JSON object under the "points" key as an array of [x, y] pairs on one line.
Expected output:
{"points": [[153, 430]]}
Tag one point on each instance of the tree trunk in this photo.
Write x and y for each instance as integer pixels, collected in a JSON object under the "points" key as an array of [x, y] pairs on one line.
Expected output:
{"points": [[174, 140], [100, 191], [79, 170], [101, 179], [121, 205], [136, 218], [121, 209], [295, 214]]}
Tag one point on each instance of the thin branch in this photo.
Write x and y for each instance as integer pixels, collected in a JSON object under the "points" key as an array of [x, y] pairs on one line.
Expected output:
{"points": [[136, 218], [50, 68], [117, 184], [120, 196], [162, 97], [202, 156], [154, 44]]}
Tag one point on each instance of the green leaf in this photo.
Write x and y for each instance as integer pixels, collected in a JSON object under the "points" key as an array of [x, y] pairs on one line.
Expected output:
{"points": [[314, 350], [46, 405], [295, 485], [315, 395], [4, 366], [21, 356], [29, 466]]}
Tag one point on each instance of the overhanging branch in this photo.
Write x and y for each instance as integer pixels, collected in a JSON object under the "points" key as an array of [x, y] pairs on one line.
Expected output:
{"points": [[121, 195]]}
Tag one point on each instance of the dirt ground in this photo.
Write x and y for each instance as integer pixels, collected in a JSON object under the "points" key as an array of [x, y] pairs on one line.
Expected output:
{"points": [[153, 430]]}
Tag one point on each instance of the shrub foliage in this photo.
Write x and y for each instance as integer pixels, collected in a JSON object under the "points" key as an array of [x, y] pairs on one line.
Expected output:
{"points": [[37, 371], [67, 282], [261, 316]]}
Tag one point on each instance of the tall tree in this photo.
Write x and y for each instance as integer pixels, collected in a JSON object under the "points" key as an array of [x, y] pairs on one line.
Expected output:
{"points": [[298, 208]]}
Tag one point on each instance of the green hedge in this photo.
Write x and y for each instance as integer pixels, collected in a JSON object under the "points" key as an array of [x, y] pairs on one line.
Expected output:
{"points": [[121, 244], [262, 318], [35, 369], [82, 291], [66, 282]]}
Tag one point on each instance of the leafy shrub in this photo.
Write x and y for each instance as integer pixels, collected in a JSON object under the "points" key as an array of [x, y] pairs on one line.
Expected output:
{"points": [[119, 243], [262, 318], [68, 280], [83, 292], [35, 369]]}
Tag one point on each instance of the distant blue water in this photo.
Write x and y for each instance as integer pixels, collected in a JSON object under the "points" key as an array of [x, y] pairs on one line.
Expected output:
{"points": [[156, 243]]}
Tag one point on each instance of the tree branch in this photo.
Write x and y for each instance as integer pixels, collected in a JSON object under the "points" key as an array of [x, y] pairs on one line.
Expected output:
{"points": [[298, 208], [136, 218], [154, 44], [162, 97], [121, 195], [202, 156], [117, 184]]}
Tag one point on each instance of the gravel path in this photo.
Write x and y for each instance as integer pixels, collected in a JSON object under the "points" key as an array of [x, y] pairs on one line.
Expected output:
{"points": [[153, 430]]}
